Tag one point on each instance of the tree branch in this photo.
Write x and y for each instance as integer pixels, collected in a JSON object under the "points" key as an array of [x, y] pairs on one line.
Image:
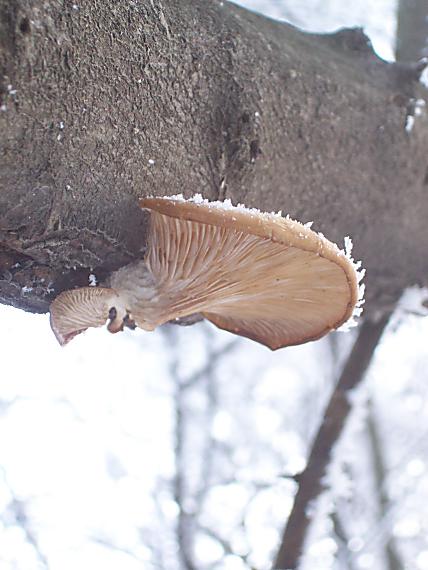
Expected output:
{"points": [[310, 481]]}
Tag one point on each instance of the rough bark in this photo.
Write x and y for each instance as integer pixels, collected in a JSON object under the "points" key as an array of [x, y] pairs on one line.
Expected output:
{"points": [[226, 103]]}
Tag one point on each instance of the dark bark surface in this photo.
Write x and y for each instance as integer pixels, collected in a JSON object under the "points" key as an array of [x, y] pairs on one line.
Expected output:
{"points": [[105, 102]]}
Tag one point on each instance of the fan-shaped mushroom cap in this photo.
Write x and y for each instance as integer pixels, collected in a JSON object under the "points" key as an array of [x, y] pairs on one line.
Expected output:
{"points": [[258, 275], [73, 311], [255, 274]]}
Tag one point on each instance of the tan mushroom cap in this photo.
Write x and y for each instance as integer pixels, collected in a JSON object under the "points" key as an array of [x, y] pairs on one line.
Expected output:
{"points": [[258, 275], [73, 311]]}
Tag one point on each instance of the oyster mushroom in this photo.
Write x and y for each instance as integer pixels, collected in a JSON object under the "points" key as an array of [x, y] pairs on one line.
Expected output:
{"points": [[255, 274]]}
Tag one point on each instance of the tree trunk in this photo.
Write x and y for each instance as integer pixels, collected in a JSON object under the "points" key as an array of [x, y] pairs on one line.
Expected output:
{"points": [[103, 102], [412, 30]]}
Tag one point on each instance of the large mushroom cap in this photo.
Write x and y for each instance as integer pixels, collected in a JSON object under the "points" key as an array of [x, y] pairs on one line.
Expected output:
{"points": [[258, 275]]}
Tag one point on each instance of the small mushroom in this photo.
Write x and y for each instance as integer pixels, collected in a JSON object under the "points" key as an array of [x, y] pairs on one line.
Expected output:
{"points": [[255, 274]]}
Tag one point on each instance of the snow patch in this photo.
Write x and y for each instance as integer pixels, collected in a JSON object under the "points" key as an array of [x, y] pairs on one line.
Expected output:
{"points": [[414, 301], [410, 122], [417, 108], [424, 77], [92, 280]]}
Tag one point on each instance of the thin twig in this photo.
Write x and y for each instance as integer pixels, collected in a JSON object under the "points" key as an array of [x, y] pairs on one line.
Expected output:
{"points": [[342, 539], [212, 361], [18, 508], [184, 521], [391, 553]]}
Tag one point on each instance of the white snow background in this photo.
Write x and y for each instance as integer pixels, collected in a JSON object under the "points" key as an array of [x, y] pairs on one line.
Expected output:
{"points": [[111, 444]]}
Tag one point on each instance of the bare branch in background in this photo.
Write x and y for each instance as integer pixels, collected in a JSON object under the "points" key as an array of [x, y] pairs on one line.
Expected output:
{"points": [[335, 416], [342, 540], [187, 522], [184, 521], [16, 514], [106, 542], [211, 363], [391, 554]]}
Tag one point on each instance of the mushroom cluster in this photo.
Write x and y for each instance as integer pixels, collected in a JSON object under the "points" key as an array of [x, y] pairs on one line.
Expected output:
{"points": [[255, 274]]}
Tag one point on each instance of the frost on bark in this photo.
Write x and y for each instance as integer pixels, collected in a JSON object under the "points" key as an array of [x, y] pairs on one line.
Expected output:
{"points": [[105, 102]]}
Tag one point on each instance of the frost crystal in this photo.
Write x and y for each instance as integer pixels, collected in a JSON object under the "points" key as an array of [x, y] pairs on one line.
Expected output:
{"points": [[358, 309], [414, 301], [225, 205]]}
